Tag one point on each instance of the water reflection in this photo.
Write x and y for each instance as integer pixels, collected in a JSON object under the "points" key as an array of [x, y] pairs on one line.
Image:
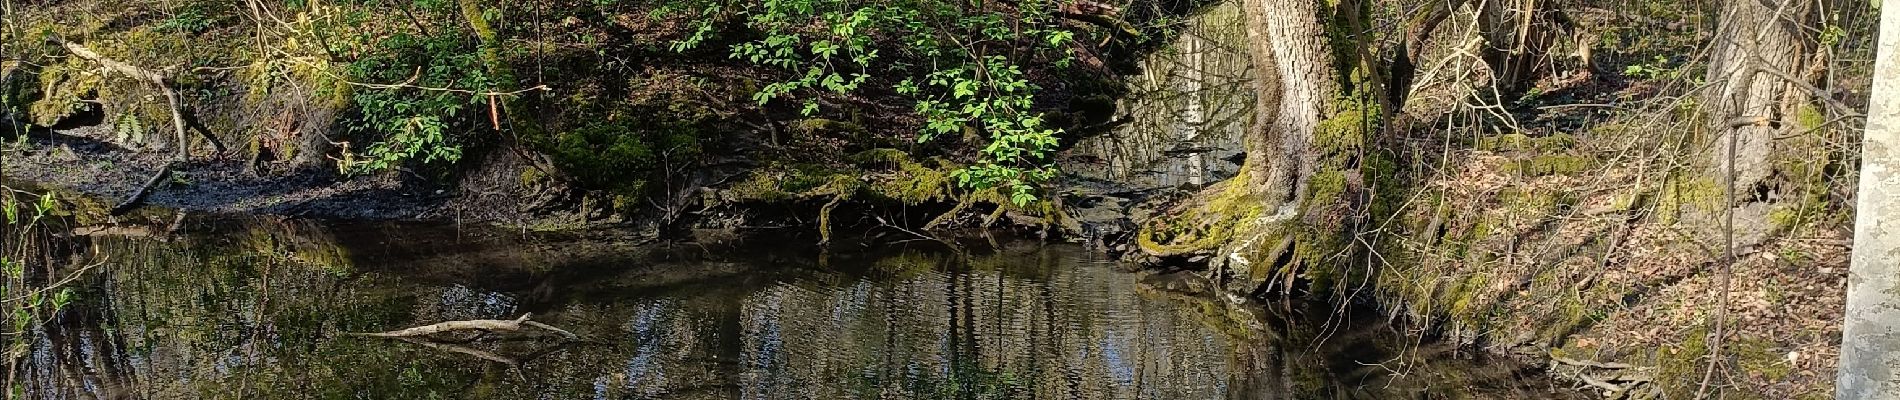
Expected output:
{"points": [[255, 308], [1186, 112]]}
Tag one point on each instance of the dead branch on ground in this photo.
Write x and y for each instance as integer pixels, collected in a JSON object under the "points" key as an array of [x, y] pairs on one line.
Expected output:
{"points": [[138, 197]]}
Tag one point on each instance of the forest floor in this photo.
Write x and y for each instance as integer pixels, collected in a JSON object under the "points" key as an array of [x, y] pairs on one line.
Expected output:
{"points": [[1575, 239]]}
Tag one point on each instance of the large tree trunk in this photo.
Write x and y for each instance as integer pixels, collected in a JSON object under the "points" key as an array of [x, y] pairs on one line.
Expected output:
{"points": [[1266, 86], [1870, 341], [1754, 112], [1301, 185]]}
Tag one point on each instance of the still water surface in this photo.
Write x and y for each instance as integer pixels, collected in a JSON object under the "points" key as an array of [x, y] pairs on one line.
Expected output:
{"points": [[257, 308]]}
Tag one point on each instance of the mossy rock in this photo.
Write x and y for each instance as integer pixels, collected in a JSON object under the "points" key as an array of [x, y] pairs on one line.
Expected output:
{"points": [[17, 88]]}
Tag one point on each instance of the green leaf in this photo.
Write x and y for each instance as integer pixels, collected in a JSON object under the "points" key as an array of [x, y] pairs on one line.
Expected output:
{"points": [[964, 88]]}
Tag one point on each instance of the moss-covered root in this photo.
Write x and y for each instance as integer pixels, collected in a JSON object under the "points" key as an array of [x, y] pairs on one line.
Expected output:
{"points": [[1207, 222], [824, 218], [1251, 252]]}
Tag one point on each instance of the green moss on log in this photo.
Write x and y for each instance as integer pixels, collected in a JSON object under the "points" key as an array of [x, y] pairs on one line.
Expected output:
{"points": [[1681, 194]]}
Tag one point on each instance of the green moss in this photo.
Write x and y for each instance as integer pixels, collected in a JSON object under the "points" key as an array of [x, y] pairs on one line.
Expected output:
{"points": [[1207, 225], [1571, 315], [1628, 200], [780, 182], [532, 176], [1678, 366], [1688, 194], [1463, 301], [821, 126], [1784, 218], [1534, 202], [909, 181], [1759, 358], [63, 89], [1551, 164], [1324, 187], [1345, 131], [1808, 117]]}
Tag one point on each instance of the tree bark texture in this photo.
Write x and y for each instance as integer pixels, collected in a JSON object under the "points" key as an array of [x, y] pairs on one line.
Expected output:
{"points": [[1870, 342]]}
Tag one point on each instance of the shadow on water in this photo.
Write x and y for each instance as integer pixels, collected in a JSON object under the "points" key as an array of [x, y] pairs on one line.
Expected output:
{"points": [[255, 308]]}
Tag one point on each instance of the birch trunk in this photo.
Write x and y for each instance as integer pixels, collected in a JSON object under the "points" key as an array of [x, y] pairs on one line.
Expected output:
{"points": [[1870, 342]]}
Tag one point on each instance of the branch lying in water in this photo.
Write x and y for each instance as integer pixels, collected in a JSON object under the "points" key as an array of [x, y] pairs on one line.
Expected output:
{"points": [[486, 325], [463, 350]]}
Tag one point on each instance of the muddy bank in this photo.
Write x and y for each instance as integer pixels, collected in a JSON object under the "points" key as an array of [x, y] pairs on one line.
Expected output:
{"points": [[218, 184]]}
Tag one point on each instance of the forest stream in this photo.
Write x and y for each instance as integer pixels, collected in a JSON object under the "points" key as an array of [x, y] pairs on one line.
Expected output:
{"points": [[261, 307], [942, 199]]}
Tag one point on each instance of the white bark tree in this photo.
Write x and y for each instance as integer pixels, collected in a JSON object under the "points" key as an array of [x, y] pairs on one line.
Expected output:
{"points": [[1193, 116], [1870, 343]]}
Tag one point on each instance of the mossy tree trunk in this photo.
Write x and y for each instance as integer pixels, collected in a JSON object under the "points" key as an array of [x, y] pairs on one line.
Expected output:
{"points": [[1870, 342], [1291, 214], [490, 45], [1761, 134]]}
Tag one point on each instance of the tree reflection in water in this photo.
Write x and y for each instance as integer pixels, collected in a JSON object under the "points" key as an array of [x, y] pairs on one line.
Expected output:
{"points": [[254, 308]]}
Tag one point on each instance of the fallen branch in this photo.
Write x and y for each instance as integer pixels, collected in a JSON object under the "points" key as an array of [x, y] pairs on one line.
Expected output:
{"points": [[464, 350], [485, 325], [491, 325], [156, 79], [563, 332], [1606, 386], [138, 197]]}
